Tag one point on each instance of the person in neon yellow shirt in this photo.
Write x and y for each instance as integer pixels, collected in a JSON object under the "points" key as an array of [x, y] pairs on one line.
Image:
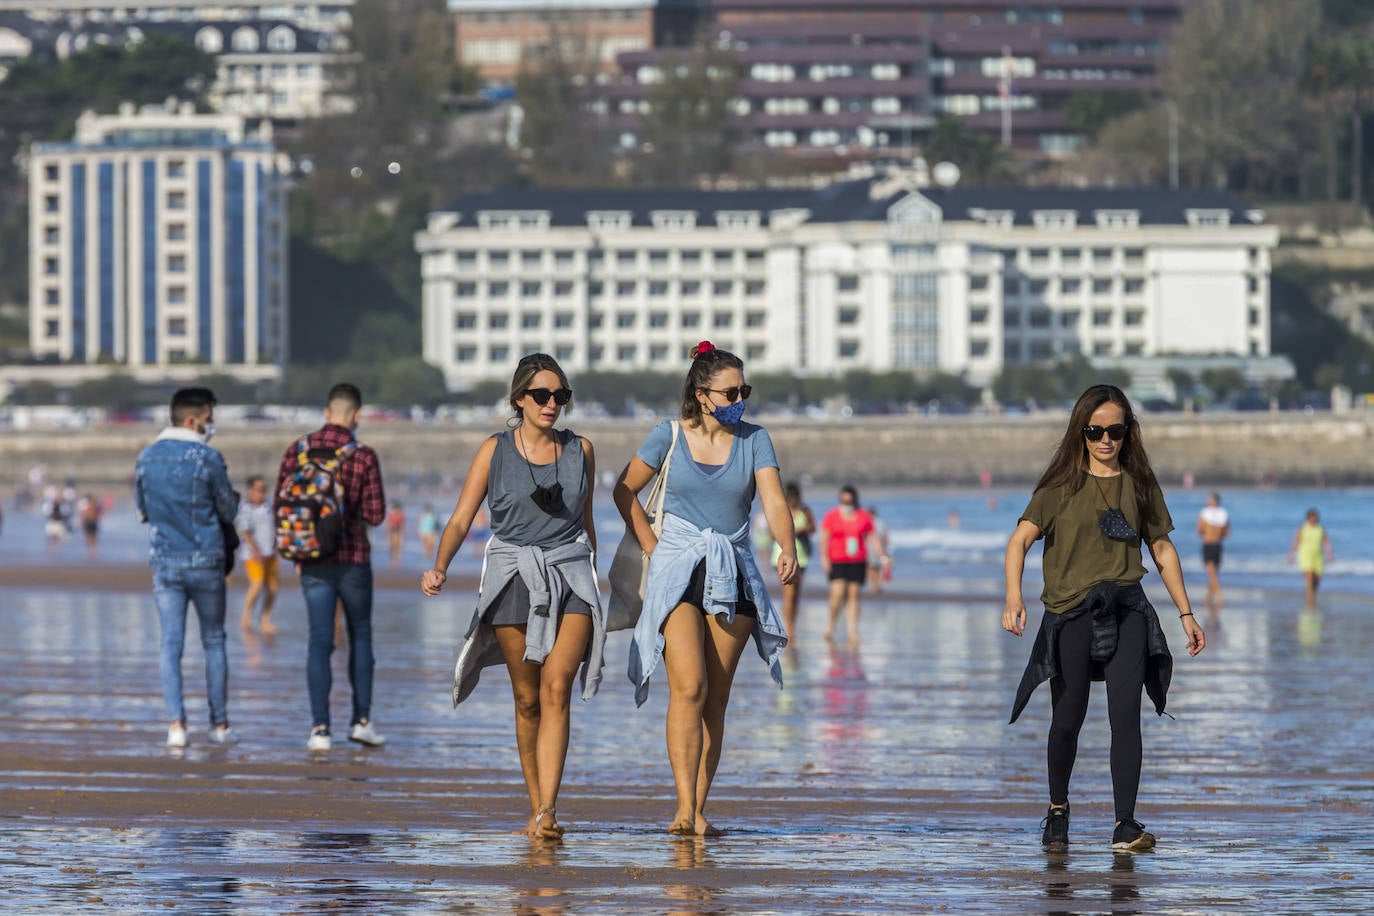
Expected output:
{"points": [[1312, 548]]}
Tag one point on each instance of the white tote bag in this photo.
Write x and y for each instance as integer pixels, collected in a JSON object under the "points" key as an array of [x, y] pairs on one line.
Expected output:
{"points": [[630, 566]]}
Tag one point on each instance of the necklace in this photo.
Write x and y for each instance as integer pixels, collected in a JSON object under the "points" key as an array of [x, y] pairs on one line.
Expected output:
{"points": [[1113, 523], [548, 499]]}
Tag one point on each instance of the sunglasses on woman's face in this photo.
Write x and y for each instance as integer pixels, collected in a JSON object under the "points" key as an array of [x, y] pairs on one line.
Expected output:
{"points": [[733, 394], [541, 396], [1116, 432]]}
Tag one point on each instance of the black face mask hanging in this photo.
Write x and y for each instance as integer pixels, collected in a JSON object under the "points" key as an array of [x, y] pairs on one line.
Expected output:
{"points": [[548, 499], [1113, 523]]}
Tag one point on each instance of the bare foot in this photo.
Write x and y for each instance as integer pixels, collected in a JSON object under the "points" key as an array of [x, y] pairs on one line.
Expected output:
{"points": [[546, 826], [246, 622], [704, 827], [268, 629], [683, 827]]}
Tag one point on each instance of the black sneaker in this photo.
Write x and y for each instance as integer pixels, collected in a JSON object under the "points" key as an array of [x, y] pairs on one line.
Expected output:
{"points": [[1056, 827], [1130, 836]]}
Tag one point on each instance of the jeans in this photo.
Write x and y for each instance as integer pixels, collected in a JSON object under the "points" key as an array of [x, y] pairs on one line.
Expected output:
{"points": [[324, 585], [204, 588]]}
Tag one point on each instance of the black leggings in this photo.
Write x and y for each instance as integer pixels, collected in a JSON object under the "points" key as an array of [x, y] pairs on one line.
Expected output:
{"points": [[1125, 679]]}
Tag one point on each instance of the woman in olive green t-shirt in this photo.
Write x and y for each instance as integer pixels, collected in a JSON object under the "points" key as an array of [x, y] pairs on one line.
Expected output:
{"points": [[1095, 505]]}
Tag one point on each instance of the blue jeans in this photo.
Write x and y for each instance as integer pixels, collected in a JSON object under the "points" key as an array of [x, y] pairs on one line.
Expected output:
{"points": [[203, 587], [324, 585]]}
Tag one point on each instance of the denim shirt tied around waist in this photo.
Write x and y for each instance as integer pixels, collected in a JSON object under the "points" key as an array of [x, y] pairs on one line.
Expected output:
{"points": [[680, 548], [182, 490], [549, 573]]}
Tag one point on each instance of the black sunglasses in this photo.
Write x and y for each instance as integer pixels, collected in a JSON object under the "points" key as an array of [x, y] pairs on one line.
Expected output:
{"points": [[733, 394], [1116, 432], [541, 396]]}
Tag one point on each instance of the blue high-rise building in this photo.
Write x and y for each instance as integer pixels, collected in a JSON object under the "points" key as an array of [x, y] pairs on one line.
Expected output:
{"points": [[159, 237]]}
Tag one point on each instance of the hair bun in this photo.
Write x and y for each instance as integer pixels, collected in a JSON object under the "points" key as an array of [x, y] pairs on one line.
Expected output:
{"points": [[702, 348]]}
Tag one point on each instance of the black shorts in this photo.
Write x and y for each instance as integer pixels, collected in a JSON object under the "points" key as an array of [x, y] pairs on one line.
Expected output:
{"points": [[1211, 553], [849, 572], [695, 593], [512, 606]]}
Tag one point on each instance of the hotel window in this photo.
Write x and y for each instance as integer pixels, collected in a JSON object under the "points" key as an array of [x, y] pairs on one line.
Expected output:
{"points": [[176, 295], [626, 258], [1102, 348], [1102, 286], [849, 316], [658, 258], [50, 267], [691, 319], [563, 320], [754, 259], [977, 348], [625, 288], [690, 259], [1070, 257], [51, 235], [755, 352], [847, 283], [176, 327], [176, 200], [722, 319], [1102, 257], [466, 259], [531, 260], [978, 282], [626, 353], [465, 354], [1134, 318], [1011, 318], [498, 321], [1040, 349], [690, 287], [176, 232], [51, 203], [595, 320], [51, 172], [465, 321], [498, 259], [595, 352], [52, 297], [658, 288], [848, 349], [1039, 318], [1068, 319], [531, 320], [1011, 286], [497, 289], [498, 354], [753, 288], [1134, 257], [625, 320], [723, 258], [595, 257], [722, 287], [1133, 286], [1252, 285], [530, 289], [595, 288], [1102, 318], [1070, 286], [176, 168], [1255, 318], [658, 353], [658, 319], [1039, 257], [1135, 348], [755, 319], [1039, 287], [465, 289], [978, 316], [53, 328], [563, 260]]}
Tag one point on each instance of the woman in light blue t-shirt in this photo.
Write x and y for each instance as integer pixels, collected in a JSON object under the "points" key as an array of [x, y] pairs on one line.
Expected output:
{"points": [[705, 597]]}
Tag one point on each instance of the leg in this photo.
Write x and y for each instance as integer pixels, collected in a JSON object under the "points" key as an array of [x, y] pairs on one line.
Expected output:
{"points": [[1310, 581], [1316, 584], [524, 685], [250, 597], [355, 587], [684, 658], [851, 617], [1125, 681], [169, 596], [321, 594], [837, 590], [1070, 704], [271, 584], [1213, 586], [555, 705], [724, 645], [207, 594]]}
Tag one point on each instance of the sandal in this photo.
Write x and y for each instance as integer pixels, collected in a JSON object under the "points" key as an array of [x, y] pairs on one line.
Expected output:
{"points": [[552, 832]]}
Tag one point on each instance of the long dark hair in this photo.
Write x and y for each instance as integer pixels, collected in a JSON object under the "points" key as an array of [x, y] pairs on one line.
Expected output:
{"points": [[1071, 457], [707, 360]]}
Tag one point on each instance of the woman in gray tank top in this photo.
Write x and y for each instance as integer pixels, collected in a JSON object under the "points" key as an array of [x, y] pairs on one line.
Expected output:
{"points": [[538, 611]]}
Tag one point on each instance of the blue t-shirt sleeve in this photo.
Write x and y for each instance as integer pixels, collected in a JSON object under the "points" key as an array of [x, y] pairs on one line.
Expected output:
{"points": [[655, 447], [764, 456]]}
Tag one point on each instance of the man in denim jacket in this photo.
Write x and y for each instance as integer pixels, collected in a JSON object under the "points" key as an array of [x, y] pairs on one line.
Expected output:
{"points": [[181, 489]]}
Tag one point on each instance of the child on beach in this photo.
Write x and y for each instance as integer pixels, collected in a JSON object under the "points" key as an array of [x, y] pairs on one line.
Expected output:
{"points": [[1312, 548], [538, 610], [1095, 505]]}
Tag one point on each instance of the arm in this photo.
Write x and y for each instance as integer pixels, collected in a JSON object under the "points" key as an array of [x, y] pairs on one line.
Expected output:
{"points": [[1014, 566], [769, 483], [810, 526], [456, 531], [1326, 545], [1201, 526], [824, 546], [246, 535], [588, 522], [140, 504], [372, 499], [634, 478], [877, 544], [226, 500], [1293, 548], [1171, 571]]}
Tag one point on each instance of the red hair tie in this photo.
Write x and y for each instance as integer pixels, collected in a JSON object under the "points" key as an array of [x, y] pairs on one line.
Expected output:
{"points": [[702, 348]]}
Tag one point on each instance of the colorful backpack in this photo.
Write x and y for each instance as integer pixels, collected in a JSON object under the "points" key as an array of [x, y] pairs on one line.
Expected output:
{"points": [[310, 504]]}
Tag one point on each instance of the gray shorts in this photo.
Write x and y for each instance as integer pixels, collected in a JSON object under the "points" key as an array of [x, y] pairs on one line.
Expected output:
{"points": [[512, 606]]}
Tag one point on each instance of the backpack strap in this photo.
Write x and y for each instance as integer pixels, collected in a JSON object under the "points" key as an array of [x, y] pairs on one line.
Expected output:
{"points": [[303, 449]]}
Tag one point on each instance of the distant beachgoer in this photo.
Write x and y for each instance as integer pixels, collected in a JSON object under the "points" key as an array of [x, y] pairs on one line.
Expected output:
{"points": [[705, 596], [1213, 527], [804, 523], [953, 519], [428, 530], [537, 605], [257, 529], [57, 518], [345, 575], [182, 490], [848, 538], [1313, 550], [880, 560], [396, 531], [89, 512], [1095, 505]]}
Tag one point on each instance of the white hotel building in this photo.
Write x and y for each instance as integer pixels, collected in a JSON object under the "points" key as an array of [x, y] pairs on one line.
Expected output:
{"points": [[158, 237], [873, 274]]}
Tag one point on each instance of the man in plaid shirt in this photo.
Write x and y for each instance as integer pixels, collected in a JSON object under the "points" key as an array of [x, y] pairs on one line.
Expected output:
{"points": [[346, 575]]}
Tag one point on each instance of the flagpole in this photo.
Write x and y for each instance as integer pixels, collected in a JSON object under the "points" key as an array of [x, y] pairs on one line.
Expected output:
{"points": [[1005, 91]]}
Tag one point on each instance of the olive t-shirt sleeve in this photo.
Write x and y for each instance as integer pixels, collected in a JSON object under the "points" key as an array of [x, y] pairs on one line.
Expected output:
{"points": [[1163, 522], [1044, 503]]}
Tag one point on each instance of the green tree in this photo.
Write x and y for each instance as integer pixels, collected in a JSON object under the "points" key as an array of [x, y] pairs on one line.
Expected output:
{"points": [[1340, 78], [691, 130], [564, 141], [410, 382], [1089, 112], [1223, 383], [980, 157]]}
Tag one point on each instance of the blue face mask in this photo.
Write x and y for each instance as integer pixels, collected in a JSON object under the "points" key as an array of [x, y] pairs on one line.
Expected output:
{"points": [[730, 415]]}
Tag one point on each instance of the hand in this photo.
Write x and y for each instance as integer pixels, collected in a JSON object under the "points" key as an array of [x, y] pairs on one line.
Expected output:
{"points": [[787, 567], [1014, 616], [1197, 640], [825, 565], [433, 581]]}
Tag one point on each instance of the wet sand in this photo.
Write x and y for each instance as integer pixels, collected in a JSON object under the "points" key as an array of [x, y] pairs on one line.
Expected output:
{"points": [[883, 779]]}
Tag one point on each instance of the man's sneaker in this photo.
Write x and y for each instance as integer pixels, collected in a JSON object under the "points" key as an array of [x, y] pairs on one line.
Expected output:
{"points": [[221, 736], [176, 736], [363, 733], [1130, 836], [319, 740], [1056, 827]]}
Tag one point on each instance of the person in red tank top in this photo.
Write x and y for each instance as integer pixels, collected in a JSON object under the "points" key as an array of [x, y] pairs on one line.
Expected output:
{"points": [[847, 537]]}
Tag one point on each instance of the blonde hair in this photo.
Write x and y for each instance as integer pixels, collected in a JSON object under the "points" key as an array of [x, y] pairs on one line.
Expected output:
{"points": [[525, 371]]}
